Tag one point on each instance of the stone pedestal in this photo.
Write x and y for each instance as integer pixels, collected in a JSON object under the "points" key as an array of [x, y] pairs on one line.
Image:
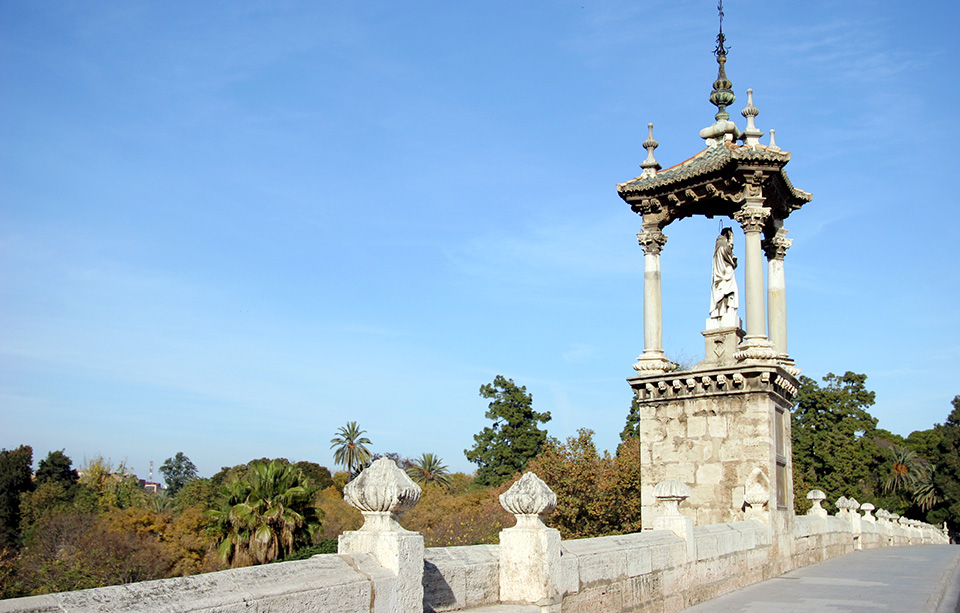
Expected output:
{"points": [[711, 429], [720, 344], [530, 551], [381, 492]]}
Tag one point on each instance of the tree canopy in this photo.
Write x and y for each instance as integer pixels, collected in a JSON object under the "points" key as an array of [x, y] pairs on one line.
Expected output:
{"points": [[504, 448], [177, 472]]}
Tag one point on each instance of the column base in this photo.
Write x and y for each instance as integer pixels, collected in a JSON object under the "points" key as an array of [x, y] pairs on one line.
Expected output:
{"points": [[756, 348], [788, 364], [654, 362]]}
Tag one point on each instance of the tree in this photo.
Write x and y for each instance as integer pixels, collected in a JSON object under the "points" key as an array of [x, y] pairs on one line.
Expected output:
{"points": [[834, 446], [429, 469], [503, 449], [177, 472], [57, 468], [946, 471], [15, 479], [351, 448], [632, 427], [597, 495], [266, 515]]}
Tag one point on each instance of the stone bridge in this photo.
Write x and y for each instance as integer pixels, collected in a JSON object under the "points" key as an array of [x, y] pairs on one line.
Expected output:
{"points": [[383, 568]]}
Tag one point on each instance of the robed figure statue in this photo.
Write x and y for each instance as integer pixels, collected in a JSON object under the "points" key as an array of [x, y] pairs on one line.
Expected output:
{"points": [[723, 293]]}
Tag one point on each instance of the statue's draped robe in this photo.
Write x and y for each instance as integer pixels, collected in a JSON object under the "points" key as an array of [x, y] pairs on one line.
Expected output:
{"points": [[723, 292]]}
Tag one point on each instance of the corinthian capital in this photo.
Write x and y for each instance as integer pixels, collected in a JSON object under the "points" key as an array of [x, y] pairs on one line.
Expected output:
{"points": [[652, 240], [776, 247], [752, 218]]}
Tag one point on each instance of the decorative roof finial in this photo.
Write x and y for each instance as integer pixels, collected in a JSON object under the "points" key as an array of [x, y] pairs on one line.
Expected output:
{"points": [[751, 136], [650, 165], [722, 94]]}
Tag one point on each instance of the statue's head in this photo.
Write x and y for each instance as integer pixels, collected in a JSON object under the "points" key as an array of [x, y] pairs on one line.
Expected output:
{"points": [[728, 232]]}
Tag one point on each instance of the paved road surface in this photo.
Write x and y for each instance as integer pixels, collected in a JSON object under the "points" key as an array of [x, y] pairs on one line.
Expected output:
{"points": [[924, 579]]}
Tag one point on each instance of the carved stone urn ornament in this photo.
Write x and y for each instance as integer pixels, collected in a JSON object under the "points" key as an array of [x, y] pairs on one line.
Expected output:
{"points": [[381, 492], [529, 499]]}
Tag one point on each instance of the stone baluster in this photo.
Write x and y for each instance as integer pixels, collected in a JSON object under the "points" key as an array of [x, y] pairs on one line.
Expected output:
{"points": [[652, 239], [670, 494], [867, 509], [841, 505], [816, 497], [381, 492], [530, 551]]}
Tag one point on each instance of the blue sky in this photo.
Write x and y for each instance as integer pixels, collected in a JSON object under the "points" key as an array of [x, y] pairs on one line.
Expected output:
{"points": [[228, 228]]}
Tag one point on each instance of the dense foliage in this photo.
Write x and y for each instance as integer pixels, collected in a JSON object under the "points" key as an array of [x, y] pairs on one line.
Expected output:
{"points": [[597, 494], [504, 448], [838, 448]]}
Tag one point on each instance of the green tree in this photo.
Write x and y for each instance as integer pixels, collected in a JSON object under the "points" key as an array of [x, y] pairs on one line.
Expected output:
{"points": [[946, 471], [632, 427], [429, 469], [57, 468], [503, 449], [15, 479], [266, 515], [177, 472], [351, 447], [833, 437]]}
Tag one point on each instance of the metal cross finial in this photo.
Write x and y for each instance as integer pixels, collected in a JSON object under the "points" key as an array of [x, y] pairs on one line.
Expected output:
{"points": [[721, 39]]}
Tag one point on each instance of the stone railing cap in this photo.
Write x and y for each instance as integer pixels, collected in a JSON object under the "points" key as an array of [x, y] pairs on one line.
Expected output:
{"points": [[529, 496], [816, 495], [382, 487], [671, 490]]}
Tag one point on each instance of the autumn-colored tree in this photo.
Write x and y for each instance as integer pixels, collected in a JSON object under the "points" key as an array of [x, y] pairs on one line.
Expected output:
{"points": [[597, 494]]}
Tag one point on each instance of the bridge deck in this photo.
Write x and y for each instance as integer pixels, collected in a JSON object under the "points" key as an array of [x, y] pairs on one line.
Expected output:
{"points": [[923, 579]]}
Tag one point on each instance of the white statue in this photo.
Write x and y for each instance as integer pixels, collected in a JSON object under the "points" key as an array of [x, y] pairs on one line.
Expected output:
{"points": [[724, 298]]}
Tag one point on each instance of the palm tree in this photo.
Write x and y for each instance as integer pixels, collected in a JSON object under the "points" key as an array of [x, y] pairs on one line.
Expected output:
{"points": [[351, 447], [265, 515], [905, 472], [428, 469]]}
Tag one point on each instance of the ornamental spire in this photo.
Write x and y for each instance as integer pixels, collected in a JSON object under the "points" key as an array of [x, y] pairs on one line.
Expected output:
{"points": [[650, 165], [722, 94]]}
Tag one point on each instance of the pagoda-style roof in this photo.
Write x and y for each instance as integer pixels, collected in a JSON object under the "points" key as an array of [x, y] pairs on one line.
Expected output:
{"points": [[713, 183]]}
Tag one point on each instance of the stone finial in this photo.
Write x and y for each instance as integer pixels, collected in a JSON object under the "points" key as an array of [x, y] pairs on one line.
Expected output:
{"points": [[529, 498], [867, 509], [650, 165], [773, 141], [817, 497], [671, 493], [751, 136], [381, 492], [841, 505], [882, 514], [852, 504]]}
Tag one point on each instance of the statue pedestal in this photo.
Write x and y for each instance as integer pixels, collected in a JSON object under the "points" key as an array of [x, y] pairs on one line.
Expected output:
{"points": [[713, 429], [719, 345]]}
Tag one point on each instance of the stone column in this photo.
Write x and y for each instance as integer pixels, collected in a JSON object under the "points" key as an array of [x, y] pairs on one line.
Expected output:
{"points": [[652, 239], [776, 249], [380, 492], [529, 551], [752, 218]]}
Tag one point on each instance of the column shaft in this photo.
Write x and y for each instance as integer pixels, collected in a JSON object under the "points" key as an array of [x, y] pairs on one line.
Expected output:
{"points": [[777, 305], [652, 304], [753, 273]]}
